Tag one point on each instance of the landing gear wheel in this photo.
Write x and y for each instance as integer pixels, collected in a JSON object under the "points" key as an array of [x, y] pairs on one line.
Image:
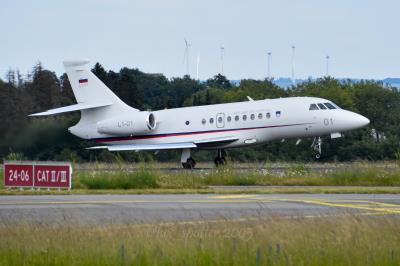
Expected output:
{"points": [[317, 156], [189, 164], [220, 159]]}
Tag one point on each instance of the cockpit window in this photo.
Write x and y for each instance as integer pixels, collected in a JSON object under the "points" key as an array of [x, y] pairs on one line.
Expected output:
{"points": [[313, 107], [321, 106], [330, 106]]}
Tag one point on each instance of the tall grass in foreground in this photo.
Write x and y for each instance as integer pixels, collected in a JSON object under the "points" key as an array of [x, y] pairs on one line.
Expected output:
{"points": [[295, 176], [344, 240], [141, 178], [148, 177]]}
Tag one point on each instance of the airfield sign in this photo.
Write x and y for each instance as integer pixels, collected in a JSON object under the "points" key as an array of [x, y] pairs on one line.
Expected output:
{"points": [[37, 174]]}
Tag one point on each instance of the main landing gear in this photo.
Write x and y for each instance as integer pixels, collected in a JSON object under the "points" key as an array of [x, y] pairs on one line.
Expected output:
{"points": [[189, 164], [317, 147], [187, 161], [220, 159]]}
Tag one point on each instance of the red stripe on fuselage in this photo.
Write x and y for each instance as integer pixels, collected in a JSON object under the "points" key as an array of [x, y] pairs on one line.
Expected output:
{"points": [[188, 133]]}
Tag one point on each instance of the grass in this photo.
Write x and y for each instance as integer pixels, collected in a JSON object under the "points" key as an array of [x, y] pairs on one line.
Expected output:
{"points": [[303, 177], [149, 179], [294, 176], [141, 179], [338, 240]]}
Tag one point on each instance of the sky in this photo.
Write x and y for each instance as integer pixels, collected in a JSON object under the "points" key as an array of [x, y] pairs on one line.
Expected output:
{"points": [[360, 36]]}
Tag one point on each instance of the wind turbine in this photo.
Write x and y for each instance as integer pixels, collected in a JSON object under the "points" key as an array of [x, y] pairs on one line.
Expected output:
{"points": [[293, 54], [186, 56], [269, 65], [222, 49], [197, 67], [327, 65]]}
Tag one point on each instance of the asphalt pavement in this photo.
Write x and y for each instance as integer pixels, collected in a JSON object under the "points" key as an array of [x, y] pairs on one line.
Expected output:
{"points": [[127, 209]]}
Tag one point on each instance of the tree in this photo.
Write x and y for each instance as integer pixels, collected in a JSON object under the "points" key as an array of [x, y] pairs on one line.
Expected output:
{"points": [[125, 86], [47, 138], [328, 88], [44, 89], [101, 73], [381, 105], [67, 94], [182, 88], [219, 81]]}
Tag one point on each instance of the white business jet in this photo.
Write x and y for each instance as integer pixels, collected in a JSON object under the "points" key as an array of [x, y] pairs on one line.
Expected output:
{"points": [[107, 120]]}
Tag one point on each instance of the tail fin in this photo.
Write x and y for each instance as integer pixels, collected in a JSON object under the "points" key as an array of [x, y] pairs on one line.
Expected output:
{"points": [[90, 93], [86, 86]]}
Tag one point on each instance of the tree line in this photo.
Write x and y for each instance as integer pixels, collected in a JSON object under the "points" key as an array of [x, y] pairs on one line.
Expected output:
{"points": [[24, 137]]}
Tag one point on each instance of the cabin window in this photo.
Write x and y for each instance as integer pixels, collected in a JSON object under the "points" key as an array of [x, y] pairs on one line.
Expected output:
{"points": [[244, 117], [229, 118], [260, 116], [237, 118], [321, 106], [220, 119], [203, 121], [278, 113], [252, 116], [313, 107], [211, 120], [187, 122], [330, 106], [268, 115]]}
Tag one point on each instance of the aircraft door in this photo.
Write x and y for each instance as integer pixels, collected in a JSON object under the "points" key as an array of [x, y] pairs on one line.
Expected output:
{"points": [[220, 120]]}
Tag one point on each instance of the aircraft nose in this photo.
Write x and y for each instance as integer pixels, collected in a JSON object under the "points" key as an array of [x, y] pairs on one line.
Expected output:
{"points": [[348, 120], [359, 121]]}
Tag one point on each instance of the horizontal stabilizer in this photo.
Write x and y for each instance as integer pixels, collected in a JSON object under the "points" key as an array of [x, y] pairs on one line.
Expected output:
{"points": [[146, 147], [71, 108]]}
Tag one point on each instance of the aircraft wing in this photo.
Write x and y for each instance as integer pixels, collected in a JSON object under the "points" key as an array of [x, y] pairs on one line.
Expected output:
{"points": [[211, 142], [146, 147], [168, 146]]}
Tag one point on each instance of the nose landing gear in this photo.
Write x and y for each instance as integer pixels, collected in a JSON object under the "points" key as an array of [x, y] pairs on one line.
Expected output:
{"points": [[317, 147]]}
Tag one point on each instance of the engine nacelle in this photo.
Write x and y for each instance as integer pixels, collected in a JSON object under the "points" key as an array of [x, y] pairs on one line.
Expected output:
{"points": [[139, 123]]}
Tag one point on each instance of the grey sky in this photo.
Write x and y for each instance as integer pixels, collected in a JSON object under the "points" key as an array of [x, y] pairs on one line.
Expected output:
{"points": [[361, 37]]}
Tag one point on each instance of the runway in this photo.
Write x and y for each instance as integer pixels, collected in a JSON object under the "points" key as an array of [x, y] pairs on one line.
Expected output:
{"points": [[126, 209]]}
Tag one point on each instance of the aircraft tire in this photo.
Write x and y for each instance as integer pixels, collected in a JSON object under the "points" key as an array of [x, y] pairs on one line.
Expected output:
{"points": [[190, 163], [219, 161]]}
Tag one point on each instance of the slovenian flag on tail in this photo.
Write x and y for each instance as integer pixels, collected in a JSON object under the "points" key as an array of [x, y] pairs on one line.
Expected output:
{"points": [[83, 82]]}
